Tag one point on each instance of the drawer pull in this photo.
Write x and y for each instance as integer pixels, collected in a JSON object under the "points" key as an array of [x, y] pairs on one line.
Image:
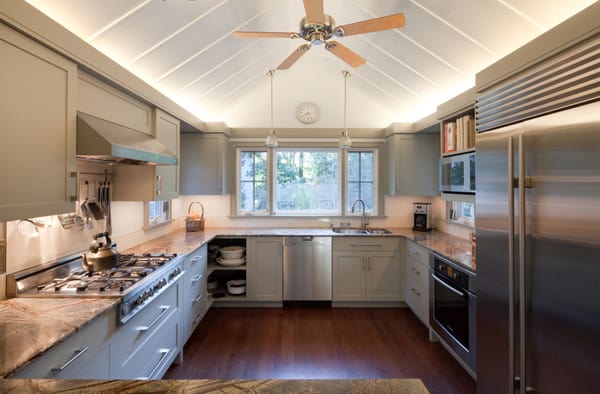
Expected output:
{"points": [[416, 292], [414, 251], [195, 301], [196, 278], [196, 259], [197, 319], [76, 355], [162, 357], [164, 308], [366, 244]]}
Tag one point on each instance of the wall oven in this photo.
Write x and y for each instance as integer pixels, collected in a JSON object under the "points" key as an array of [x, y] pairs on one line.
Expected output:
{"points": [[452, 309], [457, 173]]}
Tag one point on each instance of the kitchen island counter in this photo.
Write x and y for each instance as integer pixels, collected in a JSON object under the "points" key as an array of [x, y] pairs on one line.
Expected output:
{"points": [[31, 326], [181, 242], [400, 386]]}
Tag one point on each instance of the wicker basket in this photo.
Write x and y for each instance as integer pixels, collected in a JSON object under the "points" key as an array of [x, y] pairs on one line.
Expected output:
{"points": [[192, 222]]}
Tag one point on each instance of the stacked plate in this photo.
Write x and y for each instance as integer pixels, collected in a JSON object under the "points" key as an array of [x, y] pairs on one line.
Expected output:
{"points": [[232, 256]]}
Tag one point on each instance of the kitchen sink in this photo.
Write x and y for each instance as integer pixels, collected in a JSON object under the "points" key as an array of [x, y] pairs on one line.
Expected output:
{"points": [[359, 231]]}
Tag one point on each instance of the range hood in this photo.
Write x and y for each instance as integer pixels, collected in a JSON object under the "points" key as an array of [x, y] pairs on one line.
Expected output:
{"points": [[101, 140]]}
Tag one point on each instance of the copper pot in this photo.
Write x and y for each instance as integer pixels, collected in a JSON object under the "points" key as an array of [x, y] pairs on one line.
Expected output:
{"points": [[101, 255]]}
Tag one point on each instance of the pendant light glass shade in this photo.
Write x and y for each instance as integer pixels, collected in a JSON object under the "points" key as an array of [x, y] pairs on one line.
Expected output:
{"points": [[271, 141], [345, 141]]}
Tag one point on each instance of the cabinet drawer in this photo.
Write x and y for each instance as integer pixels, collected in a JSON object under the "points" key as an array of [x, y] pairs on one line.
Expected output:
{"points": [[193, 313], [136, 331], [366, 243], [153, 357], [65, 359], [418, 301], [416, 274], [417, 252]]}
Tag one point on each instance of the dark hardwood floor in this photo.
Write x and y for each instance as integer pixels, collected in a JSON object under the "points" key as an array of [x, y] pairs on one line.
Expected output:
{"points": [[318, 343]]}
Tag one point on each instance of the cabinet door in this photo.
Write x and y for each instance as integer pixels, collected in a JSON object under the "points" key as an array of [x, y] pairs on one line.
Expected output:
{"points": [[37, 111], [167, 132], [413, 161], [194, 291], [349, 282], [264, 269], [385, 279], [203, 164]]}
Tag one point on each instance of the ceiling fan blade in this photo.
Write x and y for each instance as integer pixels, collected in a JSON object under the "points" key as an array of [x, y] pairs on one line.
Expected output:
{"points": [[350, 57], [289, 62], [264, 34], [314, 11], [371, 25]]}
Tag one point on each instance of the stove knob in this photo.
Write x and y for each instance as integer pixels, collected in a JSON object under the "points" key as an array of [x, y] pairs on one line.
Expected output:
{"points": [[145, 295], [158, 285], [456, 275], [164, 281], [151, 292], [139, 300]]}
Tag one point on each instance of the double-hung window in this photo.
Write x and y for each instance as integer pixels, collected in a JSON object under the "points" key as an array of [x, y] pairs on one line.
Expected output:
{"points": [[305, 181]]}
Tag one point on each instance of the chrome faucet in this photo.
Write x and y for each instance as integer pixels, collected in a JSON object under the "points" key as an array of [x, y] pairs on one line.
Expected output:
{"points": [[364, 218]]}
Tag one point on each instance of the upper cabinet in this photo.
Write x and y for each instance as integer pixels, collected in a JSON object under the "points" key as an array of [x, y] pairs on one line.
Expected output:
{"points": [[204, 163], [457, 126], [167, 132], [37, 108], [413, 164]]}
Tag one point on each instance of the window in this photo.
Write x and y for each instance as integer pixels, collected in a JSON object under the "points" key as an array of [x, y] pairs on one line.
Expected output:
{"points": [[305, 181], [360, 179], [253, 177], [157, 212], [462, 212]]}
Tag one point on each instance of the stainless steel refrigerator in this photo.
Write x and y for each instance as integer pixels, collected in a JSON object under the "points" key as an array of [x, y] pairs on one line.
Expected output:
{"points": [[538, 254]]}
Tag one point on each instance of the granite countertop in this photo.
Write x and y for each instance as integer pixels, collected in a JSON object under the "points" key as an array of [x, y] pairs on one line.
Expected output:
{"points": [[31, 326], [396, 386], [181, 242]]}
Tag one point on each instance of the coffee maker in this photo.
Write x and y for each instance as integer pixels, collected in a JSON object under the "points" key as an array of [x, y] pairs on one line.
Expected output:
{"points": [[422, 216]]}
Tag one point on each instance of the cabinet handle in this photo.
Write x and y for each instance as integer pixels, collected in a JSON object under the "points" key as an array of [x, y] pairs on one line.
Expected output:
{"points": [[414, 251], [366, 244], [416, 292], [195, 301], [415, 271], [164, 353], [196, 259], [196, 278], [158, 184], [164, 308], [76, 355], [197, 319]]}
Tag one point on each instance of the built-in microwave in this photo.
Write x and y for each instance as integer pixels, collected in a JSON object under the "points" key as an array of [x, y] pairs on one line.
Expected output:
{"points": [[457, 173]]}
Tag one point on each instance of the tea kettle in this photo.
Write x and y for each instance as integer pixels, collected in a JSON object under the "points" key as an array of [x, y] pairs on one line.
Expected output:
{"points": [[101, 255]]}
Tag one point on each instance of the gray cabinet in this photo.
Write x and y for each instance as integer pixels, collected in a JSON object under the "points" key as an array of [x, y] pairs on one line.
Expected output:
{"points": [[413, 160], [38, 118], [203, 167], [416, 280], [264, 261], [195, 296], [367, 269]]}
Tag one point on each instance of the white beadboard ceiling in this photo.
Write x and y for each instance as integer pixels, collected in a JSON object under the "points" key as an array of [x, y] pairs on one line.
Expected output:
{"points": [[185, 49]]}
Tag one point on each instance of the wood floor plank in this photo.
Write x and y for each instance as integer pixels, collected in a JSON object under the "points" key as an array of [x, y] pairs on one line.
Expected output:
{"points": [[318, 343]]}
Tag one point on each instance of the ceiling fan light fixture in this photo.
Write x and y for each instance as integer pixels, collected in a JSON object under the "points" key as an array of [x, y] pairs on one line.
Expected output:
{"points": [[271, 141], [345, 142]]}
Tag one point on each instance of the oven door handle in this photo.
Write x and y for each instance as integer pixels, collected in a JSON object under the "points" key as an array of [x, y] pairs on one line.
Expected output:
{"points": [[452, 289]]}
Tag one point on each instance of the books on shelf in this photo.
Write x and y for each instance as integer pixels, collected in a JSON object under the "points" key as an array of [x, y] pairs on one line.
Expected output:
{"points": [[459, 134]]}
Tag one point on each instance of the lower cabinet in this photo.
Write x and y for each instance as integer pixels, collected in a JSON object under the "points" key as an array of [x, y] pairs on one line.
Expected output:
{"points": [[416, 275], [264, 275], [195, 301], [367, 269], [145, 346], [84, 355]]}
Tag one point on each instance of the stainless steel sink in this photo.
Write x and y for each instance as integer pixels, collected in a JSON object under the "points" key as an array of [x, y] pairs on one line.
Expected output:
{"points": [[358, 231]]}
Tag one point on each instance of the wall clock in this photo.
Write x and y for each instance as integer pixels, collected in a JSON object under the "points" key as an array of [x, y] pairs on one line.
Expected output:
{"points": [[307, 112]]}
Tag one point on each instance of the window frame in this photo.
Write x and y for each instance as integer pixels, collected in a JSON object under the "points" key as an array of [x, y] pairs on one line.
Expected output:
{"points": [[378, 193]]}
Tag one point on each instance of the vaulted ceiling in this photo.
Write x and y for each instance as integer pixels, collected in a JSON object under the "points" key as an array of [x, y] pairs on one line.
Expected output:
{"points": [[185, 49]]}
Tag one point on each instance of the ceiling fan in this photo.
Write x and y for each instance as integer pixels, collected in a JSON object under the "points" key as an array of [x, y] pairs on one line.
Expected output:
{"points": [[318, 28]]}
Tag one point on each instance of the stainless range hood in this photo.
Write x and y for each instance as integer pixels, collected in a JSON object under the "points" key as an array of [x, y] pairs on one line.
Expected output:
{"points": [[101, 140]]}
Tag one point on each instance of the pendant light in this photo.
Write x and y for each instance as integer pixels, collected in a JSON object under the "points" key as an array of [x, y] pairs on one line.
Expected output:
{"points": [[271, 141], [345, 141]]}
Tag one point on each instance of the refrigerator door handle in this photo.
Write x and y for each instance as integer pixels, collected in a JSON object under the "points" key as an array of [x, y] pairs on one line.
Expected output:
{"points": [[522, 294], [512, 184]]}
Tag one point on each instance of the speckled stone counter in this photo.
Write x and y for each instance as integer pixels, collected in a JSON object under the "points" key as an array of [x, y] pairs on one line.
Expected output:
{"points": [[449, 246], [396, 386], [30, 326]]}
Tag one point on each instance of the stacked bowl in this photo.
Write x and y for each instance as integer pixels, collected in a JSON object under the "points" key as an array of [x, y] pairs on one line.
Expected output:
{"points": [[231, 256]]}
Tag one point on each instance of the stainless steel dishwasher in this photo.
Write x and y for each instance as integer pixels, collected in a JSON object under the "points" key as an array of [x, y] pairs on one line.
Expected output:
{"points": [[307, 269]]}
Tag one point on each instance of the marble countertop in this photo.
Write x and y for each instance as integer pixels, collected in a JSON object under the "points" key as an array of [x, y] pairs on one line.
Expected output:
{"points": [[181, 242], [31, 326], [395, 386]]}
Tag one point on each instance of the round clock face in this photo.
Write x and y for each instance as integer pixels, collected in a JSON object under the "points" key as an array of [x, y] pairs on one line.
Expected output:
{"points": [[307, 112]]}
